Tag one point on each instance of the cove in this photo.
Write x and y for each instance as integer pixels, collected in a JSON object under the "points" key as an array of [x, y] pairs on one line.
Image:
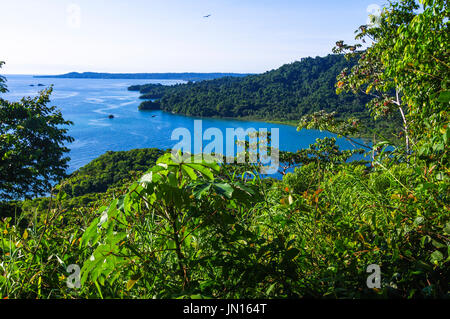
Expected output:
{"points": [[88, 103]]}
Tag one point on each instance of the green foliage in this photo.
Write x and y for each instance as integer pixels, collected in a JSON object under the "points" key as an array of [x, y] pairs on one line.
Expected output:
{"points": [[356, 217], [190, 229], [3, 88], [197, 229], [406, 70], [35, 253], [150, 105], [111, 169], [285, 94], [150, 91], [32, 146]]}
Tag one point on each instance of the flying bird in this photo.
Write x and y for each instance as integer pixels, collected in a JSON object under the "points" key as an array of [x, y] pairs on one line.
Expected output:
{"points": [[207, 16]]}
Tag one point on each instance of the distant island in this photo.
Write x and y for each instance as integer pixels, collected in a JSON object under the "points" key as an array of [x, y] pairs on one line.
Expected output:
{"points": [[144, 76]]}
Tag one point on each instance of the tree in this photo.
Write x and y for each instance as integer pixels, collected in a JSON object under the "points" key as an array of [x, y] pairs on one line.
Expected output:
{"points": [[32, 145], [3, 88], [283, 94], [406, 69]]}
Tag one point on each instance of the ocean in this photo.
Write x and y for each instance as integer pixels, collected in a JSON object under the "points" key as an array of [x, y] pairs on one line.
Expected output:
{"points": [[89, 102]]}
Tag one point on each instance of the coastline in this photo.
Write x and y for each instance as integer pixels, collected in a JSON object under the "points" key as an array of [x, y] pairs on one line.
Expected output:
{"points": [[364, 137]]}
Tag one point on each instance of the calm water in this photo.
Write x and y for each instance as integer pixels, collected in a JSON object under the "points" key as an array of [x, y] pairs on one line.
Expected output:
{"points": [[88, 102]]}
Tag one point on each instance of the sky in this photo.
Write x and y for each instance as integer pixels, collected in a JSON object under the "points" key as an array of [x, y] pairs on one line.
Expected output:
{"points": [[131, 36]]}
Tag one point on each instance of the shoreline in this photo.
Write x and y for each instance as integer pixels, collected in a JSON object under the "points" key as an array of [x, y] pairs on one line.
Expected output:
{"points": [[363, 137]]}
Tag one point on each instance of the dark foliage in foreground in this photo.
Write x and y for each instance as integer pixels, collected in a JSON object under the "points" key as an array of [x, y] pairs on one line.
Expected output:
{"points": [[199, 229]]}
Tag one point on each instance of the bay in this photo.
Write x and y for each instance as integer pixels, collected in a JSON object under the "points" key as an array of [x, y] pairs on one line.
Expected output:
{"points": [[89, 102]]}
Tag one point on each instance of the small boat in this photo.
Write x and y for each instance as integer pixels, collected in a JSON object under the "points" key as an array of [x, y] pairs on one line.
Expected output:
{"points": [[111, 116]]}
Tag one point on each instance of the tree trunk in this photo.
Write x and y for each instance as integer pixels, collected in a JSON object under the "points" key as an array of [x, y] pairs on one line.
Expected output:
{"points": [[405, 124], [180, 256]]}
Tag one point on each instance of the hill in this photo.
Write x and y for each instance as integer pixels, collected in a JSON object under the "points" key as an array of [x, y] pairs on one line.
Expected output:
{"points": [[286, 93], [109, 170]]}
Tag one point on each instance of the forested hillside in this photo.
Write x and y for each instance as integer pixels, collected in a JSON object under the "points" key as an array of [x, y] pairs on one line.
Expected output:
{"points": [[95, 183], [110, 169], [286, 93]]}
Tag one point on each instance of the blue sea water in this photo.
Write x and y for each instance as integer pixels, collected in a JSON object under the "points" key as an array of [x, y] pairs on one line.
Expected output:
{"points": [[88, 102]]}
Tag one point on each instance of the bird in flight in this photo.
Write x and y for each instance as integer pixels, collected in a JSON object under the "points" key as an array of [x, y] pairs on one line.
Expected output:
{"points": [[207, 16]]}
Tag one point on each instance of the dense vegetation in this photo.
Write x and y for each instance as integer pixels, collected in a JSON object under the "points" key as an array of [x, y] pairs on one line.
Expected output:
{"points": [[150, 105], [150, 76], [200, 229], [95, 183], [32, 145], [110, 169], [286, 93]]}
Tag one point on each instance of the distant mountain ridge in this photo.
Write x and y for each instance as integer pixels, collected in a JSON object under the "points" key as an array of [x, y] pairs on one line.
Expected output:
{"points": [[186, 76]]}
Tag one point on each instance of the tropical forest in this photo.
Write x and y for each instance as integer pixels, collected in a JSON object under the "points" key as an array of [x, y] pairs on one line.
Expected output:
{"points": [[151, 224]]}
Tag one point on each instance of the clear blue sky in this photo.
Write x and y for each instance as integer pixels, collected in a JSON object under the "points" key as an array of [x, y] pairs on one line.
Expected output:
{"points": [[58, 36]]}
